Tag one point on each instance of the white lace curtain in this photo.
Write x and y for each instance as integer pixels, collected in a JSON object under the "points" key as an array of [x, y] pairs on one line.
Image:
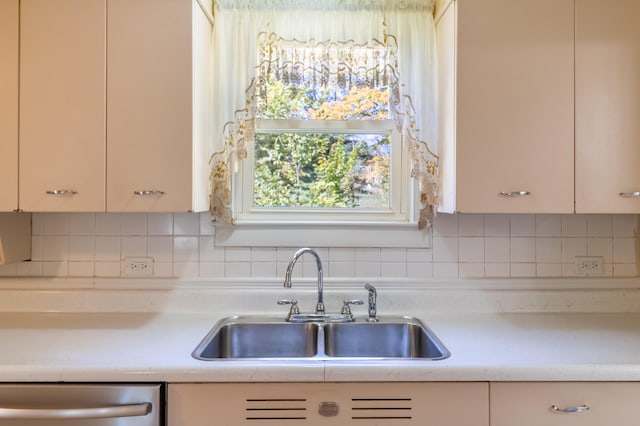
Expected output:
{"points": [[243, 27]]}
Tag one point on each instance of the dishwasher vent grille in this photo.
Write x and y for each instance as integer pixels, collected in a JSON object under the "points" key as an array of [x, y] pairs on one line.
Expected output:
{"points": [[395, 409], [364, 410], [281, 409]]}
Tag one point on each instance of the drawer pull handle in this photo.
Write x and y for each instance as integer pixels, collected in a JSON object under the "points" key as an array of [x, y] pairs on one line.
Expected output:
{"points": [[62, 192], [148, 192], [578, 409], [515, 194], [630, 194]]}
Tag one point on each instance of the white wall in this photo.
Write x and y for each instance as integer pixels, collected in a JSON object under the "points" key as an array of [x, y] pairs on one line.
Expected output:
{"points": [[182, 245]]}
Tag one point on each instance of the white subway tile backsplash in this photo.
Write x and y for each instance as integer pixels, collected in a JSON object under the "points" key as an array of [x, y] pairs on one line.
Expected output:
{"points": [[599, 225], [523, 225], [160, 223], [82, 224], [624, 250], [107, 249], [601, 247], [549, 250], [186, 249], [133, 224], [496, 249], [55, 224], [548, 225], [186, 224], [82, 248], [107, 224], [523, 270], [625, 225], [574, 226], [445, 225], [445, 249], [422, 270], [160, 248], [572, 247], [133, 247], [496, 225], [496, 270], [368, 269], [471, 270], [471, 225], [471, 249], [465, 245], [522, 250]]}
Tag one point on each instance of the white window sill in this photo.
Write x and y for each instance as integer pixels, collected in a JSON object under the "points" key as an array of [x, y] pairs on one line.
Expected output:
{"points": [[345, 234]]}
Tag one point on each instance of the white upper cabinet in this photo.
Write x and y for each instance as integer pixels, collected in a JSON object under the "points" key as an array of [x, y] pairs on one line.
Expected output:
{"points": [[506, 112], [158, 99], [9, 33], [62, 105], [608, 106]]}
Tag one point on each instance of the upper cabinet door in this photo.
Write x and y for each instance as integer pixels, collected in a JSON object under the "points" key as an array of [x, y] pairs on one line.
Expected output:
{"points": [[9, 33], [62, 105], [514, 106], [608, 106], [151, 113]]}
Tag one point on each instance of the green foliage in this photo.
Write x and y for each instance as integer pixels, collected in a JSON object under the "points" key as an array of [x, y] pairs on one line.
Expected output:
{"points": [[310, 170]]}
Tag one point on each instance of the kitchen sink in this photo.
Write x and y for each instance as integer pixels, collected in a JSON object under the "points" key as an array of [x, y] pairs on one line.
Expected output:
{"points": [[391, 338], [258, 337], [255, 337]]}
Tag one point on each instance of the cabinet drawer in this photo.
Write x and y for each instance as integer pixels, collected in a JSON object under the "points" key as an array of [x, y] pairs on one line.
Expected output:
{"points": [[532, 404]]}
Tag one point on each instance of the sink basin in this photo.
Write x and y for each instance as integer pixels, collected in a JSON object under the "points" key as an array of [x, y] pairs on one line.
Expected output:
{"points": [[247, 337], [391, 338], [244, 337]]}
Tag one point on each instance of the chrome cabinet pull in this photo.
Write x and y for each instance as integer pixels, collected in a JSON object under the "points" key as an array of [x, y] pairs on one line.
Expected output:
{"points": [[105, 412], [62, 192], [578, 409], [148, 192], [630, 194], [515, 194]]}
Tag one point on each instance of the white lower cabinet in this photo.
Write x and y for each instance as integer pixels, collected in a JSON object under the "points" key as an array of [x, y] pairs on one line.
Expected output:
{"points": [[339, 404], [564, 404]]}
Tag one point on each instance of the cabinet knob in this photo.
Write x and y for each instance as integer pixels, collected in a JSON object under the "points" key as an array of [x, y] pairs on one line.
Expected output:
{"points": [[515, 194], [630, 194], [578, 409], [62, 192], [148, 192]]}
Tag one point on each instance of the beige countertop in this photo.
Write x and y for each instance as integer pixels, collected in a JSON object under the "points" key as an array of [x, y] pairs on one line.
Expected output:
{"points": [[79, 333]]}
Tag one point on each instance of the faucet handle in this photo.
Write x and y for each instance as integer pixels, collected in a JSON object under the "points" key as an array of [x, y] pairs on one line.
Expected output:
{"points": [[346, 309], [294, 305]]}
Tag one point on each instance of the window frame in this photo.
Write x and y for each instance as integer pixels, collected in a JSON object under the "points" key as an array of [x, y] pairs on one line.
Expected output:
{"points": [[394, 227]]}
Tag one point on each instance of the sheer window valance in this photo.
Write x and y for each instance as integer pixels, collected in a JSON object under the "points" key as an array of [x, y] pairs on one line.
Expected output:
{"points": [[343, 44]]}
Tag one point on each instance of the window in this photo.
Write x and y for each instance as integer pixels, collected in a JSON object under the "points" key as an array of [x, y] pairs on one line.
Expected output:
{"points": [[326, 136]]}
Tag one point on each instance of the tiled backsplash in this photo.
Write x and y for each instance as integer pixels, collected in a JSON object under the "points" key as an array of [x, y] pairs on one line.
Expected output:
{"points": [[182, 245]]}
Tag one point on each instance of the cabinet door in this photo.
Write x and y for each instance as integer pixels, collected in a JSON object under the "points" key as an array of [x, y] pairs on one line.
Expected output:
{"points": [[514, 106], [338, 404], [62, 105], [9, 24], [577, 404], [607, 106], [150, 107]]}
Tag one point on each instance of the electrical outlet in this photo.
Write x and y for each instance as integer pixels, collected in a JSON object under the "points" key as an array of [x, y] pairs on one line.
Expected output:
{"points": [[589, 265], [137, 267]]}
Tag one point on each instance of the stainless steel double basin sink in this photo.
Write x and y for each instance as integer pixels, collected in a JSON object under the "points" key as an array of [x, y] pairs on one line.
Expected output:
{"points": [[257, 337]]}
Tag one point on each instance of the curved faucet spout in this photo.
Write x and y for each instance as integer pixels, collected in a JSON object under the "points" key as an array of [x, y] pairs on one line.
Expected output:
{"points": [[289, 272]]}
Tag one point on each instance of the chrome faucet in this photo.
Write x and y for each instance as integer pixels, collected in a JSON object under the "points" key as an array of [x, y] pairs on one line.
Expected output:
{"points": [[373, 295], [288, 273]]}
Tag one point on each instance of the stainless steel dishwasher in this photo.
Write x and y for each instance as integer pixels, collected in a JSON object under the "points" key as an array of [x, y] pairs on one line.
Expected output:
{"points": [[81, 404]]}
